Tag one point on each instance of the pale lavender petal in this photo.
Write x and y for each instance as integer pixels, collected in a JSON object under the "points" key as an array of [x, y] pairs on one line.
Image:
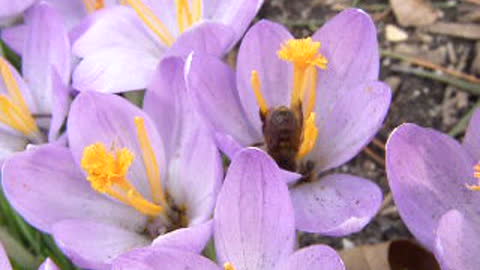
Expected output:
{"points": [[165, 11], [13, 8], [428, 173], [471, 141], [72, 11], [217, 98], [114, 70], [114, 27], [4, 261], [15, 37], [258, 51], [162, 258], [45, 186], [233, 13], [192, 239], [109, 119], [46, 47], [253, 221], [210, 38], [456, 244], [349, 42], [61, 102], [189, 143], [48, 264], [350, 124], [313, 257], [335, 205], [94, 245]]}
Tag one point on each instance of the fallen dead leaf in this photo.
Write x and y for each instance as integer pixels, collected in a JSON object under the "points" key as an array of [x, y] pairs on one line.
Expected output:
{"points": [[395, 34], [461, 30], [414, 12], [393, 255]]}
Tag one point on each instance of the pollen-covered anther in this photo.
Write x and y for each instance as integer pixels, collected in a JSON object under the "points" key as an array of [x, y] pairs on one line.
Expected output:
{"points": [[257, 90], [303, 53], [107, 173], [310, 136], [94, 5], [228, 266]]}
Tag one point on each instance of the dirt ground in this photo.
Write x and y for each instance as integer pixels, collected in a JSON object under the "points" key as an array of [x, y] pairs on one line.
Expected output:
{"points": [[426, 101]]}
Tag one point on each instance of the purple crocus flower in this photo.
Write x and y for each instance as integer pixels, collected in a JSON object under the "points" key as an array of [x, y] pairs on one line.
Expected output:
{"points": [[120, 41], [5, 263], [34, 106], [434, 181], [312, 104], [124, 184], [254, 227]]}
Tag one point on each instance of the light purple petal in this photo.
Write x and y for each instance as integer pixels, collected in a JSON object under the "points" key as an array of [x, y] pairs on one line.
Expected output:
{"points": [[350, 124], [114, 70], [45, 186], [162, 258], [94, 245], [114, 27], [209, 38], [253, 221], [313, 257], [471, 141], [15, 37], [428, 172], [192, 239], [335, 205], [48, 264], [46, 47], [189, 143], [109, 119], [4, 261], [61, 102], [217, 98], [258, 51], [456, 244], [233, 13], [165, 11], [13, 8], [349, 42], [72, 11]]}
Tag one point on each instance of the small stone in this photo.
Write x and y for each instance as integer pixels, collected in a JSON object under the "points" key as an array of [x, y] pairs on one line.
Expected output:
{"points": [[347, 244], [395, 34]]}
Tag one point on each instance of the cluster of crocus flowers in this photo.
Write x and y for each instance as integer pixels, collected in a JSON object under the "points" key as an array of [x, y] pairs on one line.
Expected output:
{"points": [[254, 227], [124, 182], [141, 32], [311, 103], [33, 106], [434, 181]]}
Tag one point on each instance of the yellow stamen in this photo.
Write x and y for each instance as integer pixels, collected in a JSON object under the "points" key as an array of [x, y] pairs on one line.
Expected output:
{"points": [[257, 89], [107, 173], [476, 174], [94, 5], [14, 109], [151, 163], [310, 136], [303, 53], [310, 95], [197, 10], [228, 266], [152, 21], [184, 15]]}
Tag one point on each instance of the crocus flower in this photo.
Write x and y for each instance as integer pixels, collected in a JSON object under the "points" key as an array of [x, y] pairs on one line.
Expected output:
{"points": [[124, 184], [142, 34], [254, 227], [434, 181], [72, 12], [33, 106], [5, 263], [311, 103]]}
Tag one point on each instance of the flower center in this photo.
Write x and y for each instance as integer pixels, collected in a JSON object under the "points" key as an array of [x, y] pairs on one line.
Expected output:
{"points": [[107, 171], [290, 132], [94, 5], [187, 15], [476, 174], [14, 111], [229, 266]]}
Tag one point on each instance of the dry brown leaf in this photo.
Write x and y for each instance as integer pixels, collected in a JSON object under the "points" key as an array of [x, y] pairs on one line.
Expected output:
{"points": [[461, 30], [393, 255], [414, 12]]}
